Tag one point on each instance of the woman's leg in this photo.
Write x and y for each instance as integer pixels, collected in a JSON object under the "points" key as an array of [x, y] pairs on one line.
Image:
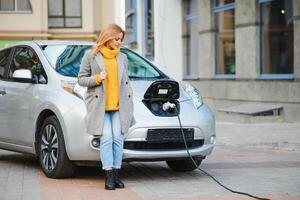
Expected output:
{"points": [[106, 152], [106, 143], [118, 140]]}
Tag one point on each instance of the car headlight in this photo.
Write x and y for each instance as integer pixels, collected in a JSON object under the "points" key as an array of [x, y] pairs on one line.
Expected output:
{"points": [[74, 88], [193, 93]]}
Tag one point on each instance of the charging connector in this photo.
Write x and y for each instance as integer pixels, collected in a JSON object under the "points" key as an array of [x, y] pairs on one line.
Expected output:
{"points": [[167, 106]]}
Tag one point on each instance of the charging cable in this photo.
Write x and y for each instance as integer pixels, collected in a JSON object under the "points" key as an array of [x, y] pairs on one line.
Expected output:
{"points": [[192, 159]]}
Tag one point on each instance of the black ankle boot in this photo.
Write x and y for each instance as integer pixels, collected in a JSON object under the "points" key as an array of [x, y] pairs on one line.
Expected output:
{"points": [[118, 182], [109, 180]]}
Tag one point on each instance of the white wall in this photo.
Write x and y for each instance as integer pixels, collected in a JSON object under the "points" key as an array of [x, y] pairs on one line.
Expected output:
{"points": [[168, 37], [113, 11]]}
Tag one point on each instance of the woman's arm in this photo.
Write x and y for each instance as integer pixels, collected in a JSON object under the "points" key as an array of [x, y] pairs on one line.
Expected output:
{"points": [[85, 78]]}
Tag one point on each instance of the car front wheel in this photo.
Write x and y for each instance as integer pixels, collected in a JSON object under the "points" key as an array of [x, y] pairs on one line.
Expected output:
{"points": [[53, 158], [184, 164]]}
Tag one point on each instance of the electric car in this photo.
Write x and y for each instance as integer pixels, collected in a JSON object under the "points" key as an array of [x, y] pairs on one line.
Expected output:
{"points": [[42, 111]]}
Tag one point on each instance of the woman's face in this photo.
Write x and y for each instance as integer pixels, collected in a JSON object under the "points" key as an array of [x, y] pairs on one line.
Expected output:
{"points": [[116, 42]]}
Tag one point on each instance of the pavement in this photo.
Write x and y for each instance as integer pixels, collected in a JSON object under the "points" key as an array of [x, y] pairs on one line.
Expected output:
{"points": [[261, 159]]}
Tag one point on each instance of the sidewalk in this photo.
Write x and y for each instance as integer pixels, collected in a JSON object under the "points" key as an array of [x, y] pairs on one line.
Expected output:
{"points": [[262, 159], [280, 136]]}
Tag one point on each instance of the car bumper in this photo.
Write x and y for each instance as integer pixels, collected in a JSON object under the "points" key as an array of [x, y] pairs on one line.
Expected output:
{"points": [[157, 155]]}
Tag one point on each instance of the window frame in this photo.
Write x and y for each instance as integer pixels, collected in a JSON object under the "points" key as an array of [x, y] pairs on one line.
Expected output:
{"points": [[216, 10], [188, 68], [15, 9], [131, 37], [64, 17], [262, 76], [149, 55]]}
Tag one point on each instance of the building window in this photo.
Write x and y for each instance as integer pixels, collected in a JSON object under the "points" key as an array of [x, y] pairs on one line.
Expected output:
{"points": [[131, 23], [276, 37], [190, 39], [15, 5], [224, 38], [64, 14], [149, 29]]}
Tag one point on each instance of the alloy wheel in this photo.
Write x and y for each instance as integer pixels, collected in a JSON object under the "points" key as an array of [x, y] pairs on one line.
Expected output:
{"points": [[49, 147]]}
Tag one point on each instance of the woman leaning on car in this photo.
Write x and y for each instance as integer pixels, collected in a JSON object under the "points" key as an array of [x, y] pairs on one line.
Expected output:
{"points": [[103, 71]]}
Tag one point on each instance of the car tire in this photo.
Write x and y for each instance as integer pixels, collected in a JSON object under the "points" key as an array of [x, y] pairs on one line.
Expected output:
{"points": [[184, 164], [53, 158]]}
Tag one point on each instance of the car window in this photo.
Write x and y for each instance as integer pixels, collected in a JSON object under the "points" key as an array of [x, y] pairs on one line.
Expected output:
{"points": [[4, 61], [65, 59], [25, 58], [139, 68]]}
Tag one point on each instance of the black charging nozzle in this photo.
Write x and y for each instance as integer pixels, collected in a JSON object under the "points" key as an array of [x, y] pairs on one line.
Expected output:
{"points": [[161, 98]]}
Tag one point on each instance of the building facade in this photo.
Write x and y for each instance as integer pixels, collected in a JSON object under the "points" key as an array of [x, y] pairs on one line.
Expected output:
{"points": [[56, 19], [252, 49], [235, 52]]}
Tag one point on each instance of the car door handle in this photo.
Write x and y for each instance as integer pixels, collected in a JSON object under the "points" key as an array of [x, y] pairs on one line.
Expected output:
{"points": [[2, 92]]}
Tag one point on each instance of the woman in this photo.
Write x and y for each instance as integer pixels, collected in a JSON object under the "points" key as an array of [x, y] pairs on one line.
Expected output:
{"points": [[103, 71]]}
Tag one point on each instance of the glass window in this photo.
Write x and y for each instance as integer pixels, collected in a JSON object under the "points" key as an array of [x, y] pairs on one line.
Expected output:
{"points": [[277, 37], [4, 61], [65, 59], [149, 29], [190, 38], [15, 5], [23, 5], [131, 22], [56, 22], [225, 38], [55, 8], [7, 5], [139, 68], [73, 8], [25, 58], [64, 14], [223, 2]]}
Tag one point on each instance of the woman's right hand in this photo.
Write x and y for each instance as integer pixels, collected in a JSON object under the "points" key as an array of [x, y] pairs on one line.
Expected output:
{"points": [[100, 77], [103, 75]]}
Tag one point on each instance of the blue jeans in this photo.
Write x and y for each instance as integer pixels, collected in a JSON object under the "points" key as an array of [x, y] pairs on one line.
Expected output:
{"points": [[111, 141]]}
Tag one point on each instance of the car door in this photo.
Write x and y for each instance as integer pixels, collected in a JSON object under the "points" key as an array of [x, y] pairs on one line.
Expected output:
{"points": [[19, 97], [5, 56]]}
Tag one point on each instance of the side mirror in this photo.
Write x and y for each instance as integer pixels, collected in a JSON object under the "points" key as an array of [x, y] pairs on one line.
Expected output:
{"points": [[23, 75]]}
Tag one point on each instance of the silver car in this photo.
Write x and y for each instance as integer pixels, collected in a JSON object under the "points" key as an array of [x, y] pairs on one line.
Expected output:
{"points": [[42, 111]]}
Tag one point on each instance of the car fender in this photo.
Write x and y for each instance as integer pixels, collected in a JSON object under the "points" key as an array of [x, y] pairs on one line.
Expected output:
{"points": [[59, 103]]}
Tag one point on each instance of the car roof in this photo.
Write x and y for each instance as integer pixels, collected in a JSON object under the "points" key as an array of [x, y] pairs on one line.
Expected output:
{"points": [[53, 42], [50, 42], [64, 42]]}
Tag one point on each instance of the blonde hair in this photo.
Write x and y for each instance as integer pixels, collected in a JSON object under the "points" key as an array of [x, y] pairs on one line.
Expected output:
{"points": [[106, 35]]}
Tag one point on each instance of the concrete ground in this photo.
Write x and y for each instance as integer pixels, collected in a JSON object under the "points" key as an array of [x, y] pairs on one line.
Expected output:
{"points": [[261, 159]]}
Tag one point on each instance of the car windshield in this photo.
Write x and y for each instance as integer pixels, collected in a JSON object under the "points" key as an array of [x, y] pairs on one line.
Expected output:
{"points": [[66, 59]]}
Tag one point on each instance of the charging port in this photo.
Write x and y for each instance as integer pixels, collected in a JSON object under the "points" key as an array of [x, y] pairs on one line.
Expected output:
{"points": [[161, 98]]}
